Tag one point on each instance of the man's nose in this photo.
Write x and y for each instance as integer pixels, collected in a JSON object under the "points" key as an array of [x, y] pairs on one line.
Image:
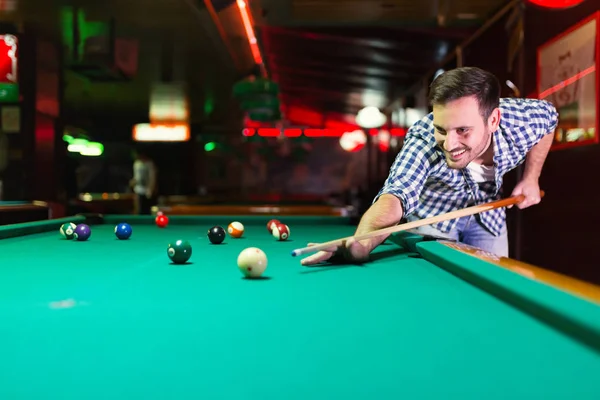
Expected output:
{"points": [[450, 142]]}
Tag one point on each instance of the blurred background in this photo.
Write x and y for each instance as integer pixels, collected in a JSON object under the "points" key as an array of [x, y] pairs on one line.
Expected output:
{"points": [[281, 103]]}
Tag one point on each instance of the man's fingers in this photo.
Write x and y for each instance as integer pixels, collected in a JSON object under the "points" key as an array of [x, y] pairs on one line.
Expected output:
{"points": [[316, 258], [529, 201]]}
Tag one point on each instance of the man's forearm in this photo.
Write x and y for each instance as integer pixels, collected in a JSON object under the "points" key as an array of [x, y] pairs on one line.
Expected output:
{"points": [[536, 158], [385, 212]]}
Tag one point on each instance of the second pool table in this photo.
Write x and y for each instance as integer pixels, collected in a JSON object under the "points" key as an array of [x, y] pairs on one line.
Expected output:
{"points": [[424, 319]]}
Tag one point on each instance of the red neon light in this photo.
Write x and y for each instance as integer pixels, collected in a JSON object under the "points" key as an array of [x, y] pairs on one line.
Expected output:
{"points": [[249, 31], [292, 132], [401, 132], [296, 132], [269, 132], [556, 3], [567, 82], [8, 59]]}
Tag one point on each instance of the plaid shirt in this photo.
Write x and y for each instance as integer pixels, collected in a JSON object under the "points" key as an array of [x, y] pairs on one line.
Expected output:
{"points": [[426, 186]]}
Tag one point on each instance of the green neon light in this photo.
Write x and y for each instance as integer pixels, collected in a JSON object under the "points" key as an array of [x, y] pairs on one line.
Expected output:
{"points": [[210, 146]]}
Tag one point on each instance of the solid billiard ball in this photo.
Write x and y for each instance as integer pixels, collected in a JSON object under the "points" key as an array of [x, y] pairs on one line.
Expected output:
{"points": [[180, 251], [271, 224], [281, 232], [252, 262], [216, 235], [68, 230], [123, 231], [235, 229], [82, 232], [162, 221]]}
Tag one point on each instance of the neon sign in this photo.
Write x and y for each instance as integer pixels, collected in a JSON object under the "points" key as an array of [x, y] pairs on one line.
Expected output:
{"points": [[558, 4], [8, 59]]}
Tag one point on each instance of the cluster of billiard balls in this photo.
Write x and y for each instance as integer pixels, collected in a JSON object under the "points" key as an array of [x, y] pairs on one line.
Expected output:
{"points": [[251, 261], [216, 234], [82, 232]]}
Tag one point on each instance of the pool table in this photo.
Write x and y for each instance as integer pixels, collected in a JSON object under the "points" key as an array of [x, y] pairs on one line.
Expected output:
{"points": [[424, 319]]}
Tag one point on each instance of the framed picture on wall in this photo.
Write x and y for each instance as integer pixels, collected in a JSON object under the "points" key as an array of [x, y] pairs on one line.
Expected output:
{"points": [[568, 76]]}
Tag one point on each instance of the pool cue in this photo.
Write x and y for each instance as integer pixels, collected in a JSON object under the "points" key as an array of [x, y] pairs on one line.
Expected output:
{"points": [[415, 224]]}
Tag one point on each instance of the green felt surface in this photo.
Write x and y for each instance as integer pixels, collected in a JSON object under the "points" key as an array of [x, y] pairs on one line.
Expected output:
{"points": [[110, 319]]}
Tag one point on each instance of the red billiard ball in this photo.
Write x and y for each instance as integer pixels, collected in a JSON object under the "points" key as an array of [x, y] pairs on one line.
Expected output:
{"points": [[162, 221], [281, 232], [271, 224]]}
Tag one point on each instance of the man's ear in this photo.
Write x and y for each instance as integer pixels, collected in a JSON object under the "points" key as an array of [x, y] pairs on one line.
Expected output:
{"points": [[494, 120]]}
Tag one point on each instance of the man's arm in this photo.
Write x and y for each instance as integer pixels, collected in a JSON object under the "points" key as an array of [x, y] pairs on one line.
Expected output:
{"points": [[399, 195], [536, 158], [529, 184], [385, 212]]}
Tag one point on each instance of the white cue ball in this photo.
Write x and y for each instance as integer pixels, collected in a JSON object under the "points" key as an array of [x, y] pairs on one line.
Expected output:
{"points": [[252, 262]]}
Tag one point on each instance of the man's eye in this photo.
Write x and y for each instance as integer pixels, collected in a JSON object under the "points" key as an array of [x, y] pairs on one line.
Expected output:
{"points": [[462, 131]]}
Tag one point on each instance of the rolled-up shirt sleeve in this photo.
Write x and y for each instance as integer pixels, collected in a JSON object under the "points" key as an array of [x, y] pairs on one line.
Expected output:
{"points": [[543, 117], [411, 168], [529, 120]]}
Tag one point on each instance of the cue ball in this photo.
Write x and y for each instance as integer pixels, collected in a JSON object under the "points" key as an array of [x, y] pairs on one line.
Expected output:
{"points": [[216, 235], [281, 232], [235, 229], [123, 231], [271, 224], [252, 262]]}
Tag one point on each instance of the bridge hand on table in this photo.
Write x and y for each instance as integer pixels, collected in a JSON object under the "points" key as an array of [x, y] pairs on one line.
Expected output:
{"points": [[352, 251]]}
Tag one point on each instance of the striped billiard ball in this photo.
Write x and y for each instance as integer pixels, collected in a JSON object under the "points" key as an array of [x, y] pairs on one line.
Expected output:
{"points": [[235, 229], [68, 230], [281, 232]]}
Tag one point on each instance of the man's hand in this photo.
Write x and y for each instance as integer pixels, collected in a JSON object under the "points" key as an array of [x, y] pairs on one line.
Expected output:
{"points": [[352, 251], [385, 212], [530, 188]]}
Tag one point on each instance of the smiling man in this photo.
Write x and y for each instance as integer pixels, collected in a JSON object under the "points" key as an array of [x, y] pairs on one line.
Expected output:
{"points": [[456, 157]]}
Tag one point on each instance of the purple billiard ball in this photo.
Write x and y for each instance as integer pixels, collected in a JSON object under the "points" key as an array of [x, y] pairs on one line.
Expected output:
{"points": [[82, 232]]}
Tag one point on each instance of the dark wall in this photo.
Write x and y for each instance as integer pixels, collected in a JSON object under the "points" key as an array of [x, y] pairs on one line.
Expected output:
{"points": [[562, 232]]}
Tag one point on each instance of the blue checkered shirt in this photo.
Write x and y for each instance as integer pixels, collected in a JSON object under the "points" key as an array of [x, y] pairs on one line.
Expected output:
{"points": [[426, 186]]}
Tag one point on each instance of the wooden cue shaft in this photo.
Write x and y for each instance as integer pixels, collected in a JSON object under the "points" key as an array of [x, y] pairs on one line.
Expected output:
{"points": [[415, 224]]}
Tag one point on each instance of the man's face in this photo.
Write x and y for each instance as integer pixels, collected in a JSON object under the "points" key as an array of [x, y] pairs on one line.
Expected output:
{"points": [[461, 131]]}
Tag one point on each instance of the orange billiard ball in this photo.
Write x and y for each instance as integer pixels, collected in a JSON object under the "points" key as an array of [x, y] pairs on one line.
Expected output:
{"points": [[235, 229]]}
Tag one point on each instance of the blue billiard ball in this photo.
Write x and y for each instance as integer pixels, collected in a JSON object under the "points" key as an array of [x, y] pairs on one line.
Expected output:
{"points": [[123, 231]]}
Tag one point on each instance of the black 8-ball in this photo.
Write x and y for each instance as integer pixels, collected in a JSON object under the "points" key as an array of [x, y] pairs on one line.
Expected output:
{"points": [[216, 235]]}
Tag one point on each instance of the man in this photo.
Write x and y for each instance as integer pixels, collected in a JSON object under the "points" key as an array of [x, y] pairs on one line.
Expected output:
{"points": [[143, 183], [456, 157]]}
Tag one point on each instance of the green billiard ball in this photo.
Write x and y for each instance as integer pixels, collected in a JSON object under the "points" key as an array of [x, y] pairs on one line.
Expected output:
{"points": [[180, 251]]}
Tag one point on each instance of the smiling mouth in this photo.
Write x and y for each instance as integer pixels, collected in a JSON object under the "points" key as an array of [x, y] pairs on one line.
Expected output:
{"points": [[457, 154]]}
